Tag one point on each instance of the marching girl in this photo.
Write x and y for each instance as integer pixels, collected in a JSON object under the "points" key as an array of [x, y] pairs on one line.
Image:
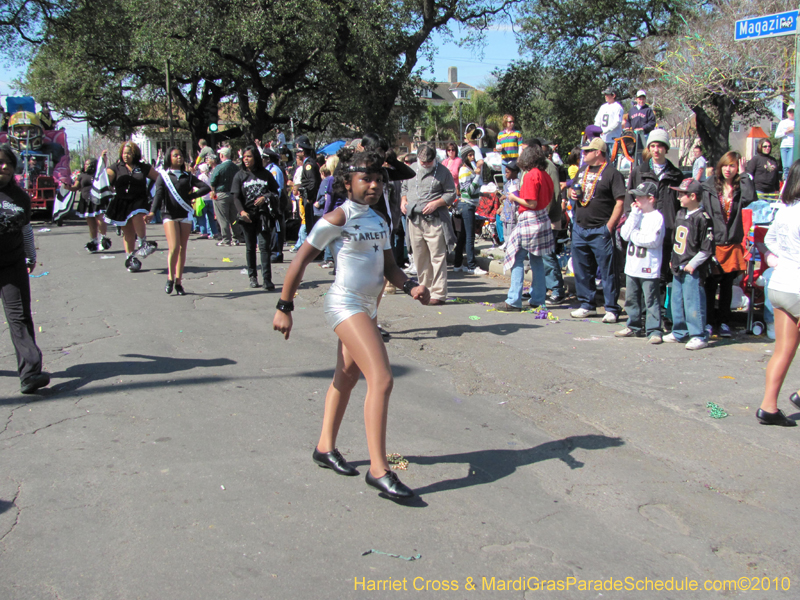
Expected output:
{"points": [[89, 210], [131, 202], [364, 257], [174, 197]]}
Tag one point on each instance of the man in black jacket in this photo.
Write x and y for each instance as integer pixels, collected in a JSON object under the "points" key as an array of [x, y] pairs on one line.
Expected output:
{"points": [[663, 174]]}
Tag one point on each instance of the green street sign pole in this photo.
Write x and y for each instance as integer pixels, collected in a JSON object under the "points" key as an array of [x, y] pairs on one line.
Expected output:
{"points": [[796, 149]]}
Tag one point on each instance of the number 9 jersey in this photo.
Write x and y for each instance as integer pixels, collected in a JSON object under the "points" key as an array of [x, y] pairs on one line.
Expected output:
{"points": [[693, 235]]}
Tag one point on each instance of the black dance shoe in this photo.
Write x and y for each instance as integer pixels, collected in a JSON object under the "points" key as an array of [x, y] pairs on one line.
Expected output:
{"points": [[333, 460], [34, 382], [253, 282], [390, 485], [269, 286], [776, 418], [169, 286], [179, 290], [795, 399]]}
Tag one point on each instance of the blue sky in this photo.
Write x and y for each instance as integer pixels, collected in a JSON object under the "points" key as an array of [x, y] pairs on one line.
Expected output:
{"points": [[474, 68]]}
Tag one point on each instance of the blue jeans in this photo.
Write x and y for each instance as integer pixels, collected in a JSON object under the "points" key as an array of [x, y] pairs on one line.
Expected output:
{"points": [[538, 287], [301, 237], [642, 296], [552, 274], [593, 248], [688, 302], [206, 223], [786, 159], [466, 238]]}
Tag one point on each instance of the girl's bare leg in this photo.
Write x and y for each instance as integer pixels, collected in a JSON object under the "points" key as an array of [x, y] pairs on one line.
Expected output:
{"points": [[129, 236], [184, 229], [172, 231], [787, 337], [345, 379], [101, 226], [92, 223], [362, 340], [139, 225]]}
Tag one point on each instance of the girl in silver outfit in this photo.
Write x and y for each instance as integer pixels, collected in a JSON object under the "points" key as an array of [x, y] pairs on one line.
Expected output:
{"points": [[364, 257]]}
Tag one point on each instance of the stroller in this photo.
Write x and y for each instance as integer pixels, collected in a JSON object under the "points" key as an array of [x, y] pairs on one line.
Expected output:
{"points": [[756, 220]]}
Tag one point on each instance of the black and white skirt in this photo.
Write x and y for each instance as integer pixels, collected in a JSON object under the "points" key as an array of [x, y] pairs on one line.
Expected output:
{"points": [[120, 211], [87, 209]]}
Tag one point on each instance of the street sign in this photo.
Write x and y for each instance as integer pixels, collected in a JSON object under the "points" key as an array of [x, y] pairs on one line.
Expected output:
{"points": [[767, 26]]}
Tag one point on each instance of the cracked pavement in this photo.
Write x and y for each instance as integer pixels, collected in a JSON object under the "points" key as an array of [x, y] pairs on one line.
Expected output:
{"points": [[171, 455]]}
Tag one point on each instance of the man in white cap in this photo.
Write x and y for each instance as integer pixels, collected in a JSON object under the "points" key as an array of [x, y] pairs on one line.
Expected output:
{"points": [[609, 118], [785, 132], [642, 118], [598, 207], [664, 175]]}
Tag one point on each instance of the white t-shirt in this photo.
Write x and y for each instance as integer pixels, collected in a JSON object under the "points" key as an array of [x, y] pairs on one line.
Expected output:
{"points": [[644, 233], [781, 132], [699, 164], [783, 240], [609, 119]]}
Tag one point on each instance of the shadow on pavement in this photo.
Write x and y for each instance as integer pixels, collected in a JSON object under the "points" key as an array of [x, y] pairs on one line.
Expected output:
{"points": [[5, 505], [459, 330], [397, 371], [487, 466]]}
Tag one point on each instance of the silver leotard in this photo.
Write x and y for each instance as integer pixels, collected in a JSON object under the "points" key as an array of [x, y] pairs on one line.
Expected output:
{"points": [[358, 246]]}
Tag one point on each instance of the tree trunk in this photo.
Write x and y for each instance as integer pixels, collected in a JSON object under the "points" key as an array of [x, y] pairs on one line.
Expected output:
{"points": [[714, 135]]}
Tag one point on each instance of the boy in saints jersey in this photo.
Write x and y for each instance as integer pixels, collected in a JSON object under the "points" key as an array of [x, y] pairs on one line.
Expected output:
{"points": [[692, 248]]}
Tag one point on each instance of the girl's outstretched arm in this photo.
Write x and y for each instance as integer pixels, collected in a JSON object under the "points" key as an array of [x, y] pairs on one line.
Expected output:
{"points": [[396, 276], [294, 276]]}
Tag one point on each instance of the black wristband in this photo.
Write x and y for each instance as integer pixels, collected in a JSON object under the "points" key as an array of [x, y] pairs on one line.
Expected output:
{"points": [[409, 285], [286, 306]]}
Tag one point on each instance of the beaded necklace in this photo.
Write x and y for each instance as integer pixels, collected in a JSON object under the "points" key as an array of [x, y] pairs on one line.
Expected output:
{"points": [[589, 194], [726, 200]]}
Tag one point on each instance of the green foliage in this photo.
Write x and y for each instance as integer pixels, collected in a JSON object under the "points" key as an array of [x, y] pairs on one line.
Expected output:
{"points": [[328, 65]]}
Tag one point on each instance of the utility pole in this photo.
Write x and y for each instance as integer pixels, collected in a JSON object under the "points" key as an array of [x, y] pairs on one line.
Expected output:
{"points": [[169, 109]]}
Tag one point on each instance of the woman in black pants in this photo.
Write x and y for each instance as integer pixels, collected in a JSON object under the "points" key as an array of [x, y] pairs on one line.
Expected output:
{"points": [[17, 260], [255, 194]]}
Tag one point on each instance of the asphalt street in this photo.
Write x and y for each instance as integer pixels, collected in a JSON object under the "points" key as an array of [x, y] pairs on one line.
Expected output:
{"points": [[170, 458]]}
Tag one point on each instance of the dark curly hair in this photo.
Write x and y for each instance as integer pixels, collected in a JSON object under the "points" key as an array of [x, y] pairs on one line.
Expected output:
{"points": [[532, 157], [372, 161]]}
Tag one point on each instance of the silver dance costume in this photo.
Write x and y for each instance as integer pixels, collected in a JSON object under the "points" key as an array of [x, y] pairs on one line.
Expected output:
{"points": [[358, 246]]}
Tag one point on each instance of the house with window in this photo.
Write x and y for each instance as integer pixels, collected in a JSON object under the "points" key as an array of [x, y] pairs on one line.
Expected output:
{"points": [[435, 93]]}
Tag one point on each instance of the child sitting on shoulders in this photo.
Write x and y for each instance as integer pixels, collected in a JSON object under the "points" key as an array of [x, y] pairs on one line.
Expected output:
{"points": [[693, 247], [644, 232]]}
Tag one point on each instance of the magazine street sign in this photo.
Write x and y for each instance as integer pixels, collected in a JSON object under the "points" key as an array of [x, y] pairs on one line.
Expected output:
{"points": [[766, 26]]}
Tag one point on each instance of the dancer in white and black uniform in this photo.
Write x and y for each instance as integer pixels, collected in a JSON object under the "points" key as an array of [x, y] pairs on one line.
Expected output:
{"points": [[176, 189], [90, 209], [131, 202], [364, 257]]}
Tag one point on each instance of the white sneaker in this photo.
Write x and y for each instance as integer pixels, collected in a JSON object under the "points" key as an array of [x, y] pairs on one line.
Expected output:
{"points": [[412, 270], [609, 318], [670, 338], [479, 271], [655, 338], [582, 313], [696, 343], [623, 333]]}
